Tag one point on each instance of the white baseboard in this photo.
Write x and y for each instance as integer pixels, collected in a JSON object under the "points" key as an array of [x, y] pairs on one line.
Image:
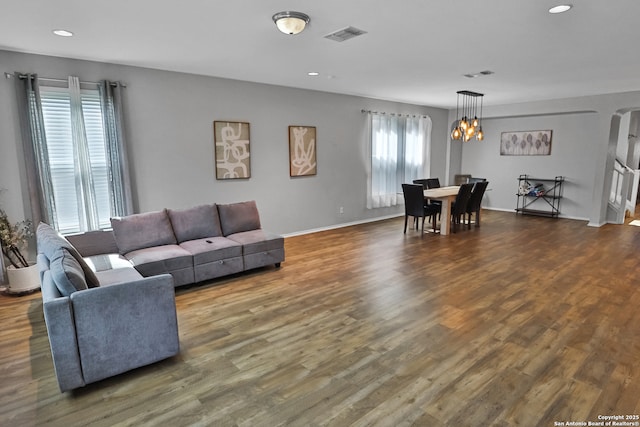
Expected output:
{"points": [[342, 225], [576, 218], [382, 218], [596, 224]]}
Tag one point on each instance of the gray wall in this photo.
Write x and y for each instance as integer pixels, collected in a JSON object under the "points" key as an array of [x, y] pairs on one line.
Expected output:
{"points": [[568, 158], [170, 133], [581, 151], [169, 126]]}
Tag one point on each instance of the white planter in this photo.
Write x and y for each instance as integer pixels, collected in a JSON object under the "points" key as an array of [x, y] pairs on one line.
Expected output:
{"points": [[23, 279]]}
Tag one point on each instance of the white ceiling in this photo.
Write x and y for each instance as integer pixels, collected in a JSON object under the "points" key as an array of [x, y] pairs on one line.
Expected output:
{"points": [[415, 51]]}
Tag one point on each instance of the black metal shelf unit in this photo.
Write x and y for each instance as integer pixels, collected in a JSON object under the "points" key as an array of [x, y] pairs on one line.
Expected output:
{"points": [[542, 192]]}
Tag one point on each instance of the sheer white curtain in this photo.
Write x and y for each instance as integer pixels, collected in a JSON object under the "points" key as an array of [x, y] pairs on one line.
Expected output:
{"points": [[398, 151], [85, 188], [417, 148], [384, 161]]}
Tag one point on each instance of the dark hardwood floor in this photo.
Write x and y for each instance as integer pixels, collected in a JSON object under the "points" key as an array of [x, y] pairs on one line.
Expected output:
{"points": [[524, 321]]}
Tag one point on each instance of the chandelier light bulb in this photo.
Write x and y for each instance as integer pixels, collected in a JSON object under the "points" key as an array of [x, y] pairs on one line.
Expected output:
{"points": [[480, 134], [471, 131], [463, 124], [475, 122], [456, 134]]}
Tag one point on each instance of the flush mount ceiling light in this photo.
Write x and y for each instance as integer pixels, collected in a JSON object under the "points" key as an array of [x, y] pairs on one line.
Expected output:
{"points": [[63, 33], [560, 8], [466, 127], [291, 22]]}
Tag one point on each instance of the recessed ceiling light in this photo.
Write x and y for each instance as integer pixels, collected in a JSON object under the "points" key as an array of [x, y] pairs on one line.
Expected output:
{"points": [[63, 33], [560, 8], [313, 73]]}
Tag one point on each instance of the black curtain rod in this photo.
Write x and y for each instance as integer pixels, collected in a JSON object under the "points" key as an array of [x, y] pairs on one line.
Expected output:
{"points": [[49, 79], [394, 114]]}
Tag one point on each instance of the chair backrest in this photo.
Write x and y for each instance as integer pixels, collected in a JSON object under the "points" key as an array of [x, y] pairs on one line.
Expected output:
{"points": [[473, 180], [462, 199], [422, 182], [476, 196], [461, 179], [433, 183], [413, 199]]}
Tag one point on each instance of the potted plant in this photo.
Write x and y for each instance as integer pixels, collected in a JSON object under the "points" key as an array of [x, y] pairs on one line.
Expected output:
{"points": [[13, 237], [13, 240]]}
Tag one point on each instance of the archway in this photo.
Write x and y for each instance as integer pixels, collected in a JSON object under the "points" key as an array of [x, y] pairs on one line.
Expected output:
{"points": [[624, 149]]}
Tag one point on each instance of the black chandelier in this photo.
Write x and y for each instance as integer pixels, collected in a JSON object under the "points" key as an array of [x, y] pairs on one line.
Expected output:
{"points": [[467, 127]]}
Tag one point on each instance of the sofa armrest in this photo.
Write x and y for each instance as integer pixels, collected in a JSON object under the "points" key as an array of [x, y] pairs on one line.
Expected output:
{"points": [[125, 326], [58, 317]]}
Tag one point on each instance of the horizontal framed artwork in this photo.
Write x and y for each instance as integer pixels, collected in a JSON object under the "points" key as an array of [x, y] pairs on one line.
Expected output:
{"points": [[302, 151], [232, 150], [526, 143]]}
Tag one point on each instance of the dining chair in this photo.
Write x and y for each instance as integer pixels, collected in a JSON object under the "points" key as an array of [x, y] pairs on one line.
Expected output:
{"points": [[429, 183], [459, 207], [414, 205], [475, 201]]}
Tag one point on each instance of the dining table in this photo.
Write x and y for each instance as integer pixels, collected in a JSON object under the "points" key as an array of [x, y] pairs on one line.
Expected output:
{"points": [[446, 195]]}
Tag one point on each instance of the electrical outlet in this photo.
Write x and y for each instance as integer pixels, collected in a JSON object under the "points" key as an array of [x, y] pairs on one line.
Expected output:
{"points": [[341, 210]]}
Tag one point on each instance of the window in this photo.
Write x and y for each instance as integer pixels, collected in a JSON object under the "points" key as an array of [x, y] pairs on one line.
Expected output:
{"points": [[75, 152], [399, 147], [78, 167]]}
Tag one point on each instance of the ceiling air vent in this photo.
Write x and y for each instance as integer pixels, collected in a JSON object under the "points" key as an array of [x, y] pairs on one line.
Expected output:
{"points": [[345, 34]]}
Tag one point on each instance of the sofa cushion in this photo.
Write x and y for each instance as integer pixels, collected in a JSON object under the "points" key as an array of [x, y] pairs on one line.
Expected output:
{"points": [[239, 217], [67, 273], [256, 241], [95, 242], [212, 249], [143, 230], [49, 241], [104, 262], [195, 223], [118, 275], [160, 259]]}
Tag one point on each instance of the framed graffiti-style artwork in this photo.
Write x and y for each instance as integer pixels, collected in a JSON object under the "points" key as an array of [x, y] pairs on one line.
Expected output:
{"points": [[302, 151], [232, 150]]}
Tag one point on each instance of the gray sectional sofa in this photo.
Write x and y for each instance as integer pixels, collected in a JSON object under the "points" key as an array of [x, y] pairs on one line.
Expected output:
{"points": [[108, 296], [199, 243]]}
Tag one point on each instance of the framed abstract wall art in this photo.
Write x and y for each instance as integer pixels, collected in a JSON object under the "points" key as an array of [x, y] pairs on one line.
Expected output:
{"points": [[232, 150], [302, 151], [526, 143]]}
